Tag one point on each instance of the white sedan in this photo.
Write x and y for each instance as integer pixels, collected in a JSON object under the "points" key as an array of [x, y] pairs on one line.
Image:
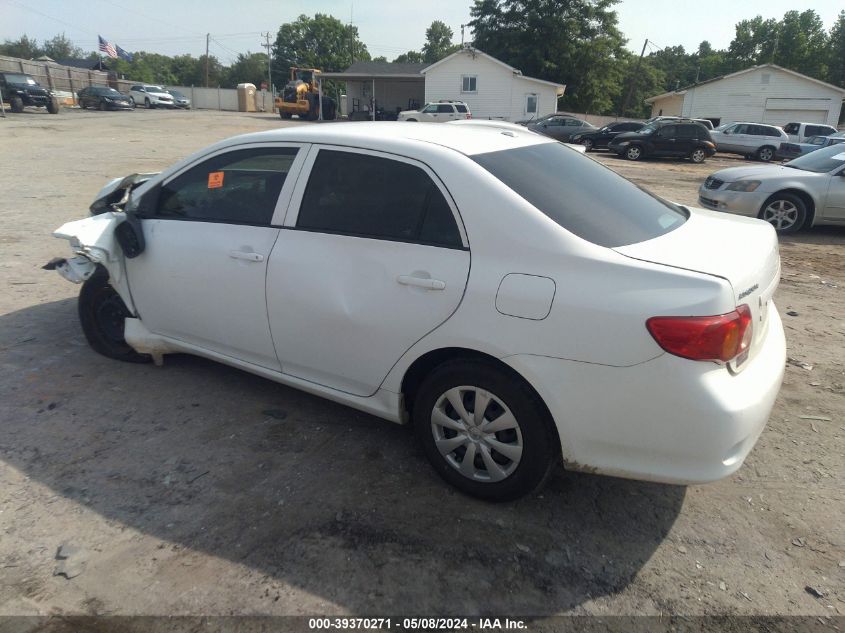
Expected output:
{"points": [[512, 299]]}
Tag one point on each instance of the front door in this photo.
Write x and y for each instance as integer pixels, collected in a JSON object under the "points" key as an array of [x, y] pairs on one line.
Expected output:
{"points": [[835, 205], [373, 259], [209, 232]]}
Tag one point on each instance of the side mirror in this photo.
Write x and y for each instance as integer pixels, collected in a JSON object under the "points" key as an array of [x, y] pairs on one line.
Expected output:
{"points": [[130, 236]]}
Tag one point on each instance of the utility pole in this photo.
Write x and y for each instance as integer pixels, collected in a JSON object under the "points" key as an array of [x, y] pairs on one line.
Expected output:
{"points": [[631, 88], [270, 72], [775, 51], [207, 38], [462, 35]]}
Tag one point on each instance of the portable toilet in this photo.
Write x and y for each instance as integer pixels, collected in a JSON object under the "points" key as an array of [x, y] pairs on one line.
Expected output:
{"points": [[246, 98]]}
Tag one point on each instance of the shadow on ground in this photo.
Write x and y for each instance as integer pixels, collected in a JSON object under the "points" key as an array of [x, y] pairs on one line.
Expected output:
{"points": [[330, 500]]}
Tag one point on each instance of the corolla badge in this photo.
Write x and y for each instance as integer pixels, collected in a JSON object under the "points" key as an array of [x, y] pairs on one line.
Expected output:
{"points": [[745, 293]]}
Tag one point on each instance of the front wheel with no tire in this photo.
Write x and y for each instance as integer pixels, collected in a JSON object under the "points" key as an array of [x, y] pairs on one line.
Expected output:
{"points": [[484, 430], [102, 313], [786, 212]]}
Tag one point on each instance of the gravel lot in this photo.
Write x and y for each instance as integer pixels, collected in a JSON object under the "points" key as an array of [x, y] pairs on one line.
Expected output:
{"points": [[199, 489]]}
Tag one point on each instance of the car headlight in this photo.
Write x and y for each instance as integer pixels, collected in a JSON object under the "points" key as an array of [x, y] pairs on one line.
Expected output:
{"points": [[743, 185]]}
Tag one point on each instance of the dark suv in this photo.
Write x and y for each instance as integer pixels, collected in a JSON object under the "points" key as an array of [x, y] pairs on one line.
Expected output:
{"points": [[680, 139], [20, 89]]}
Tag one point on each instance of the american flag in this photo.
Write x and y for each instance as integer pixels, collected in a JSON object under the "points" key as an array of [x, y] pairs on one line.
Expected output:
{"points": [[107, 47]]}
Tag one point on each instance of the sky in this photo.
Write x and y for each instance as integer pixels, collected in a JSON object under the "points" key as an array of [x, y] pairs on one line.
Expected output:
{"points": [[388, 28]]}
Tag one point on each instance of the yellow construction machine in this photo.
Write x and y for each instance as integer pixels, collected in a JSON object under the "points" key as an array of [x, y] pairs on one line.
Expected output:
{"points": [[301, 96]]}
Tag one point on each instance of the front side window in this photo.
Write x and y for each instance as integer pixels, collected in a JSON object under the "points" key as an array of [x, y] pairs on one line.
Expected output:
{"points": [[238, 187], [430, 109], [369, 196], [582, 195], [469, 83]]}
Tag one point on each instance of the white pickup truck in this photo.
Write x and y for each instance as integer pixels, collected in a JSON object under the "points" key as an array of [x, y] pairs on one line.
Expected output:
{"points": [[800, 132]]}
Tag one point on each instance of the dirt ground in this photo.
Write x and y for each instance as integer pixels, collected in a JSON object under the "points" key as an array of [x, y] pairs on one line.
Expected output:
{"points": [[200, 489]]}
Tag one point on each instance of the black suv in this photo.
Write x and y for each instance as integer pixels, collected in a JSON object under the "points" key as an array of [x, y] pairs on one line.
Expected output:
{"points": [[681, 139], [599, 139], [20, 90]]}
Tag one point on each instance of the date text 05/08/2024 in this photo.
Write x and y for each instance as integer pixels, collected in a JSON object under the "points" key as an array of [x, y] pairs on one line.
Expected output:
{"points": [[417, 624]]}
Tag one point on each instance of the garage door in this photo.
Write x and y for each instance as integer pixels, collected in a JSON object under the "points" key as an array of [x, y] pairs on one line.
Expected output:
{"points": [[781, 117]]}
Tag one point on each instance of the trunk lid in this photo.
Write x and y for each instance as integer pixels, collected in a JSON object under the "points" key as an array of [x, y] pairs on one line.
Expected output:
{"points": [[744, 251]]}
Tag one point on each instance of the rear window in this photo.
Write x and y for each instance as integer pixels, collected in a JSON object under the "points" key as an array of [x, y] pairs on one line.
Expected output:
{"points": [[583, 196]]}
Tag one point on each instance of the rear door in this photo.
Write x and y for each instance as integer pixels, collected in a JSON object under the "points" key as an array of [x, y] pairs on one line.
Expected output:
{"points": [[372, 258], [664, 141]]}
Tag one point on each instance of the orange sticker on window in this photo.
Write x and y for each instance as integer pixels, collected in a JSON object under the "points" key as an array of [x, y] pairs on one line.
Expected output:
{"points": [[215, 180]]}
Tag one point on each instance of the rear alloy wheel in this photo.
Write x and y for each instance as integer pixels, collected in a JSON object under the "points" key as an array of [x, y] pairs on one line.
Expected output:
{"points": [[698, 155], [147, 103], [634, 152], [786, 212], [484, 432], [102, 314], [588, 145], [765, 154]]}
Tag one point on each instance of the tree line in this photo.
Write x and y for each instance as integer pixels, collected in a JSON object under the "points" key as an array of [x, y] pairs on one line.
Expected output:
{"points": [[573, 42]]}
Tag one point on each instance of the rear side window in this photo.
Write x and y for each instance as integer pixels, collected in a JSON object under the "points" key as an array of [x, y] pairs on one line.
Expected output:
{"points": [[583, 196], [238, 187], [687, 131], [461, 108], [444, 109], [819, 130], [370, 196]]}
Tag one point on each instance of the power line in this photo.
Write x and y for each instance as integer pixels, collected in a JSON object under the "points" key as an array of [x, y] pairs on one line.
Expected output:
{"points": [[49, 17]]}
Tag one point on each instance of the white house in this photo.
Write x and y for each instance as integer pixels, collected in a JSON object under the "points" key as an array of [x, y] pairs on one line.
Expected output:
{"points": [[766, 94], [491, 88]]}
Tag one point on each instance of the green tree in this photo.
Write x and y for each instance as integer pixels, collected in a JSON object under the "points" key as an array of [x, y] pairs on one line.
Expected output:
{"points": [[322, 42], [438, 42], [23, 47], [574, 42], [801, 43], [411, 57], [836, 53], [380, 58], [60, 47], [642, 79], [248, 68]]}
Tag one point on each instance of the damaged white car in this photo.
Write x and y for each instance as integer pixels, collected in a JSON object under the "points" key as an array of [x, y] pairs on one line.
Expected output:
{"points": [[514, 300]]}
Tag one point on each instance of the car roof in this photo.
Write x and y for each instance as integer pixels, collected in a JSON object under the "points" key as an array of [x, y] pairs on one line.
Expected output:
{"points": [[393, 135]]}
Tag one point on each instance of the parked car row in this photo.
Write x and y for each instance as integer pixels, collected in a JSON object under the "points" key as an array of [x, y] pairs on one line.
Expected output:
{"points": [[20, 90], [150, 96]]}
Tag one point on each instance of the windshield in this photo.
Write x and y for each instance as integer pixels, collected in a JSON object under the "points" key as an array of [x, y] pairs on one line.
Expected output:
{"points": [[820, 161], [20, 79], [154, 89], [582, 195]]}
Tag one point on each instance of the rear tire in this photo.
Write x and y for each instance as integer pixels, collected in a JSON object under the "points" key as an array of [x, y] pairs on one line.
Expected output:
{"points": [[147, 103], [588, 145], [102, 106], [786, 212], [634, 152], [698, 155], [17, 104], [509, 461], [101, 314], [765, 153], [53, 105]]}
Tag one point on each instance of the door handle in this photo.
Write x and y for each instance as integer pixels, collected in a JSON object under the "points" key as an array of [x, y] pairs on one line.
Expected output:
{"points": [[421, 282], [250, 257]]}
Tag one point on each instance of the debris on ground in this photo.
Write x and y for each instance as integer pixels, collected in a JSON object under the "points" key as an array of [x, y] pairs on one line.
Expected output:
{"points": [[71, 561], [820, 418], [816, 593], [799, 363]]}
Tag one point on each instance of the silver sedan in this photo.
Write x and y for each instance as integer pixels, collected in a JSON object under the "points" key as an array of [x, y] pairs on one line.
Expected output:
{"points": [[807, 191]]}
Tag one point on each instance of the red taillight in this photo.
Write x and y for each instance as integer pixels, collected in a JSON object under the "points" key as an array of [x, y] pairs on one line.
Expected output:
{"points": [[722, 337], [469, 116]]}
